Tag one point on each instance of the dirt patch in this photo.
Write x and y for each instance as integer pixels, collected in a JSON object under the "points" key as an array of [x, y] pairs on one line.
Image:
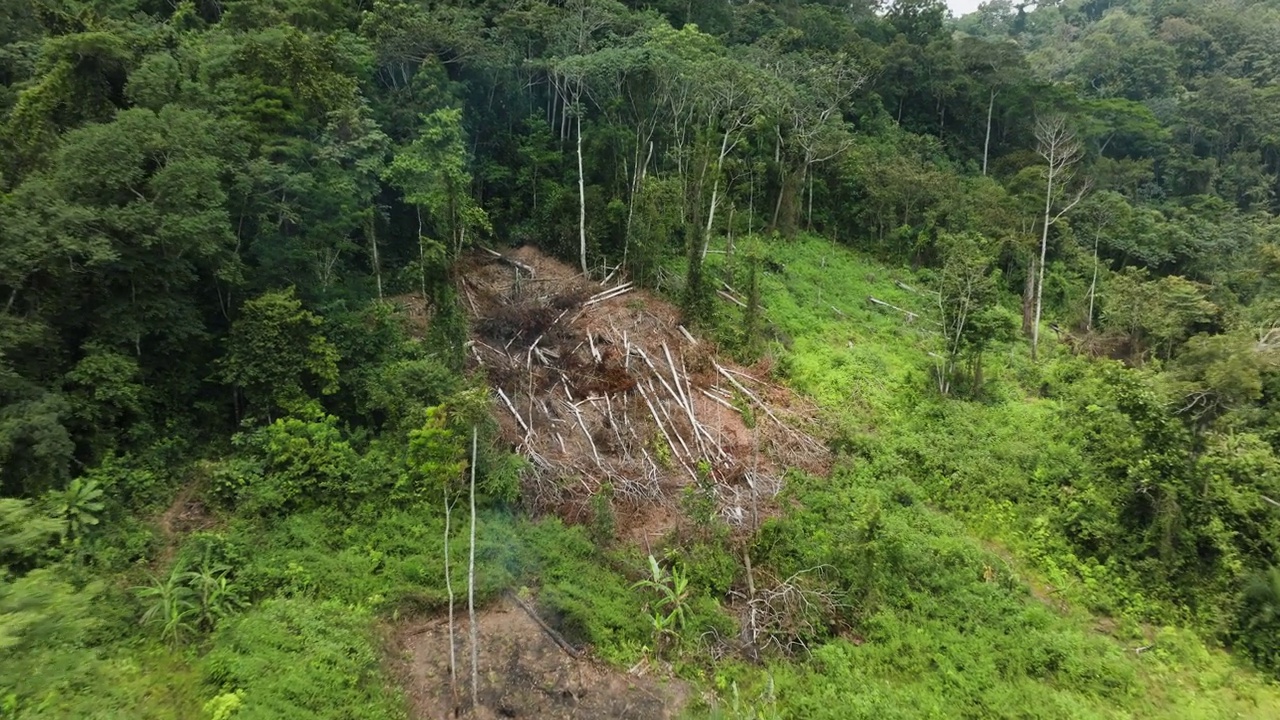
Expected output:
{"points": [[185, 515], [522, 674], [599, 386]]}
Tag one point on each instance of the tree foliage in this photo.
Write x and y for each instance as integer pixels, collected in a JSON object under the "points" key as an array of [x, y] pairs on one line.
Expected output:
{"points": [[214, 214]]}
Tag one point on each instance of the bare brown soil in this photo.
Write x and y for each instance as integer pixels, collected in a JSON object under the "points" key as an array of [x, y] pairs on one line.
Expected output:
{"points": [[523, 674], [603, 391], [185, 515]]}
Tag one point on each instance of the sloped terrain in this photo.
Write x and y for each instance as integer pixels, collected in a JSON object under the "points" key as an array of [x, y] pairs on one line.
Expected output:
{"points": [[600, 387], [524, 675]]}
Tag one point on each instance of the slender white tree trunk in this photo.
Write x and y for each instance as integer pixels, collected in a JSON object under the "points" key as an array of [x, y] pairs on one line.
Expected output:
{"points": [[582, 202], [448, 584], [422, 269], [471, 585], [986, 144], [1093, 285], [377, 263], [809, 213], [715, 194], [1044, 250]]}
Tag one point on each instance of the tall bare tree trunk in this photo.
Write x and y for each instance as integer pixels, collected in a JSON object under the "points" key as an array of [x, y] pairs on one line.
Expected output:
{"points": [[1093, 284], [986, 144], [471, 586], [1029, 295], [448, 584], [809, 213], [371, 228], [636, 186], [715, 194], [582, 202], [422, 258], [1044, 249]]}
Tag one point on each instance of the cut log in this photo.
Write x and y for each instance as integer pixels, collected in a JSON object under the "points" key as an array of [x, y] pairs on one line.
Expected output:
{"points": [[910, 315], [663, 429], [514, 412], [609, 294], [509, 261], [731, 299], [719, 400], [752, 396], [590, 441]]}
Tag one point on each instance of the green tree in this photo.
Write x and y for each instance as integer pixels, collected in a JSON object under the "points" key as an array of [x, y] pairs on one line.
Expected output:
{"points": [[277, 356], [1154, 314], [970, 316], [432, 174]]}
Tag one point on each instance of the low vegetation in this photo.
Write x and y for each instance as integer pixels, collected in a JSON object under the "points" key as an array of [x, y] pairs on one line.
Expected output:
{"points": [[811, 359]]}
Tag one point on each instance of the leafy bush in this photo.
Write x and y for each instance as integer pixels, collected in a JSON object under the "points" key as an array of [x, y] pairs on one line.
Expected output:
{"points": [[297, 461], [300, 658]]}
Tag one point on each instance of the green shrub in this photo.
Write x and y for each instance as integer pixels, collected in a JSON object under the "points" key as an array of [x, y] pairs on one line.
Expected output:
{"points": [[295, 462], [299, 658]]}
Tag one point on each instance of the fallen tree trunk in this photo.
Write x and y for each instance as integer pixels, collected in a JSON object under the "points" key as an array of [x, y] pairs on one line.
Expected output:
{"points": [[509, 261], [556, 637]]}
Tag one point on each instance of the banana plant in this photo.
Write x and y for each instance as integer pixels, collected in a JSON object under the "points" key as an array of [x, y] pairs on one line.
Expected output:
{"points": [[172, 604], [79, 506], [215, 598], [667, 613]]}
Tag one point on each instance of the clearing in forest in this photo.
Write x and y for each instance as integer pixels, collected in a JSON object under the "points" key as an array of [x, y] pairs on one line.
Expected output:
{"points": [[524, 674], [600, 387], [606, 394]]}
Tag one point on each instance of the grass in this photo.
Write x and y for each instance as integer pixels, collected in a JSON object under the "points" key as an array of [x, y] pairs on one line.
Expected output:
{"points": [[957, 600], [945, 623]]}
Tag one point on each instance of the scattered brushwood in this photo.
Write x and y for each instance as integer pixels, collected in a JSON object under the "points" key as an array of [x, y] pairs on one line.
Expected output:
{"points": [[783, 617], [599, 384]]}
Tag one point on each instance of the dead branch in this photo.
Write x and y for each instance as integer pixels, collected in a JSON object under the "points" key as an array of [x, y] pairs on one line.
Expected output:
{"points": [[784, 615], [514, 412], [556, 637], [731, 299]]}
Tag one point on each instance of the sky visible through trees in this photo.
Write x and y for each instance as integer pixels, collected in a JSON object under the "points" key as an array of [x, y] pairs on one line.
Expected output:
{"points": [[961, 7]]}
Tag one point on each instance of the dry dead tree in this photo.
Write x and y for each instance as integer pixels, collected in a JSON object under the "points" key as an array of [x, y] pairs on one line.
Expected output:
{"points": [[787, 615]]}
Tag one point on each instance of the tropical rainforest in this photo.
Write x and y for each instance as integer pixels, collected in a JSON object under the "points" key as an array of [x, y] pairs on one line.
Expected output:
{"points": [[1025, 264]]}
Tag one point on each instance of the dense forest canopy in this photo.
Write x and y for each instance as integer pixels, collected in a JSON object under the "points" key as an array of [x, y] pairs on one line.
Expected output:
{"points": [[206, 207]]}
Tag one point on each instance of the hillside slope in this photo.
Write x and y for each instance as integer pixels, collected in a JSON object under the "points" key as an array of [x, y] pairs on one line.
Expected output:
{"points": [[962, 601]]}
